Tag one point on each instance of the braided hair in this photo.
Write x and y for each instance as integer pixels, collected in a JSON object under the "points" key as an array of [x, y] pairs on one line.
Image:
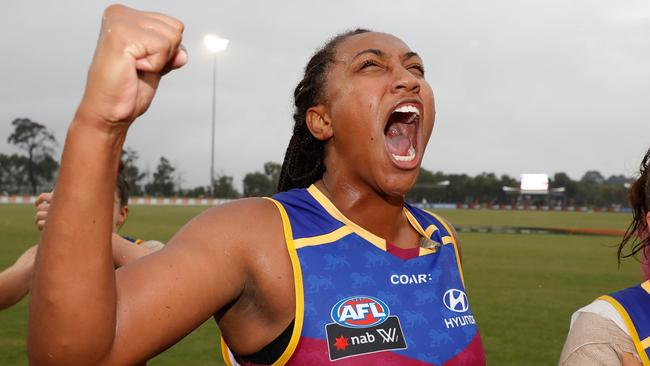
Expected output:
{"points": [[303, 161], [122, 186], [639, 197]]}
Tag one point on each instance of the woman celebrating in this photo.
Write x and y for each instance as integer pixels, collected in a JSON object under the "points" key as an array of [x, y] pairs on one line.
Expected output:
{"points": [[615, 329], [335, 268]]}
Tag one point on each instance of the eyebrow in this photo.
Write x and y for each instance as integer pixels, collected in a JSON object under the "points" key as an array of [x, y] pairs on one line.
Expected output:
{"points": [[380, 53], [374, 51], [409, 55]]}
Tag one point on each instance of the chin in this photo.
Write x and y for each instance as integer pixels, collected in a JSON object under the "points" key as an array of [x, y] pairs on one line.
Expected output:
{"points": [[399, 184]]}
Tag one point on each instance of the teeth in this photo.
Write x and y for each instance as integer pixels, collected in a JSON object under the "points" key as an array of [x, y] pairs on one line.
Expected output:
{"points": [[409, 157], [408, 109]]}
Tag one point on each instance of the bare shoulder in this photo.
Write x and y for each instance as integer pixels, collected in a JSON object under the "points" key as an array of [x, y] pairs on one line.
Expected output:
{"points": [[215, 259], [237, 222], [233, 229]]}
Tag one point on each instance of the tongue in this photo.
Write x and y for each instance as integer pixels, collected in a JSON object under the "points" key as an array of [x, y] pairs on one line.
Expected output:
{"points": [[398, 144]]}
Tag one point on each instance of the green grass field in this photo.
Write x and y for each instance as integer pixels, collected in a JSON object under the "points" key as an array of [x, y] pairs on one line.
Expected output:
{"points": [[523, 288]]}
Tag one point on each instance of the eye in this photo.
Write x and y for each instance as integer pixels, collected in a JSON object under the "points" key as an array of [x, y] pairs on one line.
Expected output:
{"points": [[416, 68], [369, 64]]}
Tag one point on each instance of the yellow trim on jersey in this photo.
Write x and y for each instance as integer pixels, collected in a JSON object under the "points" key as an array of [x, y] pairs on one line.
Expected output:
{"points": [[225, 353], [297, 277], [414, 222], [630, 327], [300, 299], [335, 213], [139, 241], [426, 251], [354, 228], [452, 240], [646, 286], [645, 343], [430, 230], [323, 239], [426, 233]]}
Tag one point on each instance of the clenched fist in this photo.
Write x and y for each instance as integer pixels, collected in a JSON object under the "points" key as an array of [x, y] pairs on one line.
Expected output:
{"points": [[135, 49]]}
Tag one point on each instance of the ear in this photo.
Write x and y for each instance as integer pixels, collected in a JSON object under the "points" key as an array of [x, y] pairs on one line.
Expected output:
{"points": [[124, 213], [319, 122]]}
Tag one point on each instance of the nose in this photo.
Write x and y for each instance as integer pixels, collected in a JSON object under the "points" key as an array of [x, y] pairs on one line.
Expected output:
{"points": [[405, 81]]}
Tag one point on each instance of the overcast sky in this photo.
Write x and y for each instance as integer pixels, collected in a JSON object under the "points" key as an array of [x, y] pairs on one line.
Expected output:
{"points": [[521, 86]]}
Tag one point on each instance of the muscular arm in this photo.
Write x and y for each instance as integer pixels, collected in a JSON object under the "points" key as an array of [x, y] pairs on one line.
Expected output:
{"points": [[74, 267], [84, 312], [123, 250], [203, 269]]}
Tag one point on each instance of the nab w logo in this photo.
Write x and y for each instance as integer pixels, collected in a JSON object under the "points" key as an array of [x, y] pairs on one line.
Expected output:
{"points": [[456, 300]]}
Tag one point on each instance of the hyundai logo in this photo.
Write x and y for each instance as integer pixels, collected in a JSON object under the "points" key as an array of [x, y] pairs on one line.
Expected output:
{"points": [[456, 300]]}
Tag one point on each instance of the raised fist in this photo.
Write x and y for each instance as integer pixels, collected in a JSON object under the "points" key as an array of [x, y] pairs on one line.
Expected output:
{"points": [[135, 49]]}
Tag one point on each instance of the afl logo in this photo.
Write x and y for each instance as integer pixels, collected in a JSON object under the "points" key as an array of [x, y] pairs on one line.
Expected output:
{"points": [[360, 312], [456, 300]]}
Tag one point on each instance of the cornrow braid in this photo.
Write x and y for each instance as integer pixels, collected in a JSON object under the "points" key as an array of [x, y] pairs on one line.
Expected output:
{"points": [[122, 186], [303, 161], [637, 235]]}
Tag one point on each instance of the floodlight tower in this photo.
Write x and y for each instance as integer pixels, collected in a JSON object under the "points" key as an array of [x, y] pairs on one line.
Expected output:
{"points": [[214, 44]]}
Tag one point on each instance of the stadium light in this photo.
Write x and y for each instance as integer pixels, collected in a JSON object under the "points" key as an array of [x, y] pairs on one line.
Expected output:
{"points": [[214, 44]]}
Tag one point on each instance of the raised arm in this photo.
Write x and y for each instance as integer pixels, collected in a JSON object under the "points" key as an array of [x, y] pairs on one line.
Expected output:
{"points": [[73, 305], [229, 262]]}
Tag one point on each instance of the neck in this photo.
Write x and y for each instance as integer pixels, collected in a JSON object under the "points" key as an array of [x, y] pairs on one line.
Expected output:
{"points": [[380, 214]]}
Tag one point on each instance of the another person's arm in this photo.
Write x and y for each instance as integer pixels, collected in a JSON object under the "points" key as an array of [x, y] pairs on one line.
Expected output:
{"points": [[123, 250], [15, 280], [594, 340]]}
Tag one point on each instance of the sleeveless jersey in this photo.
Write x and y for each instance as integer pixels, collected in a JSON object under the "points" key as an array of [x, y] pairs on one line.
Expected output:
{"points": [[132, 240], [357, 304], [633, 304]]}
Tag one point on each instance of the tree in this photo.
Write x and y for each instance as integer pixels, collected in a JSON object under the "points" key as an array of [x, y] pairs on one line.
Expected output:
{"points": [[13, 177], [262, 184], [427, 187], [223, 188], [131, 172], [618, 179], [272, 170], [562, 180], [34, 139], [593, 176], [257, 184], [198, 191], [163, 180]]}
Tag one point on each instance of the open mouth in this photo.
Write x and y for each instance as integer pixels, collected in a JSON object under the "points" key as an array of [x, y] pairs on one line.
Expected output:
{"points": [[401, 134]]}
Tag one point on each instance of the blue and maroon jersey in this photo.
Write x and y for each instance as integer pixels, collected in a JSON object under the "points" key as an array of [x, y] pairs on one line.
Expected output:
{"points": [[357, 304], [634, 306]]}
